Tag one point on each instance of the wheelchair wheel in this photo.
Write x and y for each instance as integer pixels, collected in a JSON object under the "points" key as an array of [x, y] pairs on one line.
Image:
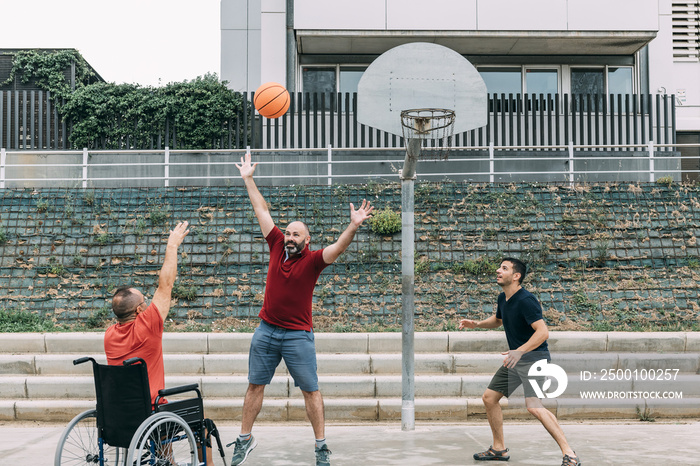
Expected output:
{"points": [[79, 444], [163, 439]]}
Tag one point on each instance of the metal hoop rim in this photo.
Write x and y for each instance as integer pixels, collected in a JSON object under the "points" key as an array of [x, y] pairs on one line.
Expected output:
{"points": [[435, 114]]}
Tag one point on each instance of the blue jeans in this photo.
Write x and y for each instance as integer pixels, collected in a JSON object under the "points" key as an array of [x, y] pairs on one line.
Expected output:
{"points": [[272, 343]]}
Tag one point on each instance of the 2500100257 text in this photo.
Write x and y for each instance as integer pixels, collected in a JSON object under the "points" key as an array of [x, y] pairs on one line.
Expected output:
{"points": [[639, 374]]}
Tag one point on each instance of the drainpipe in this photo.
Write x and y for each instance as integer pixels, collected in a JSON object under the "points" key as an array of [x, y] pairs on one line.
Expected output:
{"points": [[291, 48]]}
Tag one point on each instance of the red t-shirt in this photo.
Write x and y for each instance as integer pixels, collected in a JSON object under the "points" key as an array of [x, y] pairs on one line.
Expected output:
{"points": [[140, 338], [290, 284]]}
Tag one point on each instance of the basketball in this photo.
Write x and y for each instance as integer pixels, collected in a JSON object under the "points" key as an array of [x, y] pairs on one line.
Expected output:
{"points": [[271, 100]]}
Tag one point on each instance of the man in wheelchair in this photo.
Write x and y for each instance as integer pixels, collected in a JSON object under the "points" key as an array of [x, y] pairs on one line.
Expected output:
{"points": [[139, 328], [133, 424]]}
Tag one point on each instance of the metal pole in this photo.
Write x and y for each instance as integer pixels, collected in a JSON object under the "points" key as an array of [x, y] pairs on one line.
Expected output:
{"points": [[166, 171], [3, 161], [85, 167], [571, 163], [408, 176], [330, 164], [650, 148], [291, 48]]}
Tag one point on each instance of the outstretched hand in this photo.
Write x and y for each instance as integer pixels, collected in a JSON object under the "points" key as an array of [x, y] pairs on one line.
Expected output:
{"points": [[246, 167], [363, 213], [178, 234], [467, 323]]}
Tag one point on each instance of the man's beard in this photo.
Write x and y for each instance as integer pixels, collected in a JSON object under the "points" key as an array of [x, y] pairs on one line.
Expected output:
{"points": [[294, 248]]}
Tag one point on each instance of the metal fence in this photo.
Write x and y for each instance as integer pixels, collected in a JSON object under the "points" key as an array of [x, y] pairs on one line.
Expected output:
{"points": [[29, 121], [570, 163]]}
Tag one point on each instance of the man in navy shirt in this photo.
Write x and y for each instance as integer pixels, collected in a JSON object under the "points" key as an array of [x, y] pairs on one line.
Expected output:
{"points": [[520, 314]]}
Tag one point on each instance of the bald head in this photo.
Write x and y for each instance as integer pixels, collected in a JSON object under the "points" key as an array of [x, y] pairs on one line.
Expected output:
{"points": [[298, 226], [296, 238], [125, 301]]}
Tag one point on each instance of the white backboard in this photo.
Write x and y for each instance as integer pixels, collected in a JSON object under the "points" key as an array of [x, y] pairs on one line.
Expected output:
{"points": [[421, 75]]}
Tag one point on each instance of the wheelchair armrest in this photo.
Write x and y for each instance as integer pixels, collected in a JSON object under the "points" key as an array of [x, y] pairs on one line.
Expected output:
{"points": [[180, 389], [82, 360], [131, 361]]}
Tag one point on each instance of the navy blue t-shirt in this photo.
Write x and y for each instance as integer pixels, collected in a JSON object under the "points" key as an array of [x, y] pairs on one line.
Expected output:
{"points": [[518, 314]]}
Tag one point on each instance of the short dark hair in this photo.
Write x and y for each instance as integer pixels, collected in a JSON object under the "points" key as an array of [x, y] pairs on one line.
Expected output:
{"points": [[124, 301], [518, 267]]}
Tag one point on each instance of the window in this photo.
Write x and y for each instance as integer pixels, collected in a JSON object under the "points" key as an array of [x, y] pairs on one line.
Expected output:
{"points": [[509, 80], [620, 80], [542, 81], [588, 81], [502, 80], [331, 80], [349, 78], [318, 80], [603, 82]]}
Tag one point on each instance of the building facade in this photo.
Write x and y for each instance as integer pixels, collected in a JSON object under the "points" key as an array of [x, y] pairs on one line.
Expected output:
{"points": [[519, 46]]}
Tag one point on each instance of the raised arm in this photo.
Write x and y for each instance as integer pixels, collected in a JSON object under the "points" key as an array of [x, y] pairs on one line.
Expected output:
{"points": [[168, 272], [256, 199], [331, 253]]}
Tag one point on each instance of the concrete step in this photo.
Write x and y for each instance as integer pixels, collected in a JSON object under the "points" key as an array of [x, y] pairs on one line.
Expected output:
{"points": [[382, 409], [366, 343], [360, 363], [359, 374], [356, 386]]}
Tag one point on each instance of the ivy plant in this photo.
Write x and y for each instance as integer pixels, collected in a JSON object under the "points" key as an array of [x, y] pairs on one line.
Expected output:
{"points": [[48, 69]]}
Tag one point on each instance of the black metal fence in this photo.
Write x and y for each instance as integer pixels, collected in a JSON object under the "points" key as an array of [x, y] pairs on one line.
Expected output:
{"points": [[29, 120]]}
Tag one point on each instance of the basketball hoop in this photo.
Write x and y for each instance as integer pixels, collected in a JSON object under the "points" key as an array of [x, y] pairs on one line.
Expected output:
{"points": [[433, 127]]}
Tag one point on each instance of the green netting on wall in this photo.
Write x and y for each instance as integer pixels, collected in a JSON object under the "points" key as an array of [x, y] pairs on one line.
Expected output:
{"points": [[600, 254]]}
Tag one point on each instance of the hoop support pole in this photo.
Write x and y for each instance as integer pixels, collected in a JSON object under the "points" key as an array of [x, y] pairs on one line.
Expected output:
{"points": [[408, 417]]}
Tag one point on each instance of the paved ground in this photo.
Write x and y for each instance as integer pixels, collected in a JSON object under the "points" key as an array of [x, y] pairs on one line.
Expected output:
{"points": [[445, 444]]}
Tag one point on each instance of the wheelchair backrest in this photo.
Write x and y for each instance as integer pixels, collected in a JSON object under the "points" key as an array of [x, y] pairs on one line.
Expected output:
{"points": [[123, 401]]}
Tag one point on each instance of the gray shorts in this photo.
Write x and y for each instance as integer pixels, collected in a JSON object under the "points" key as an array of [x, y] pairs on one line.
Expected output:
{"points": [[506, 380], [272, 343]]}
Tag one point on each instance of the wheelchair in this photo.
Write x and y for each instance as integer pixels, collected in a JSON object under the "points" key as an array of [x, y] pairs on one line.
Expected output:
{"points": [[124, 429]]}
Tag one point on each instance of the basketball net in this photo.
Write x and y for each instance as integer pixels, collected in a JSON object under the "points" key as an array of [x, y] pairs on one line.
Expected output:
{"points": [[433, 127]]}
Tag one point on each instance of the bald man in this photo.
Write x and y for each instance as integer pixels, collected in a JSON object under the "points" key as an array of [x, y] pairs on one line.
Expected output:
{"points": [[139, 328], [286, 329]]}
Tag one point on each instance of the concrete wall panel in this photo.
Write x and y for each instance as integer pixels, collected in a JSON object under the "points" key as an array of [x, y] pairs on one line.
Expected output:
{"points": [[516, 15], [440, 15], [356, 14]]}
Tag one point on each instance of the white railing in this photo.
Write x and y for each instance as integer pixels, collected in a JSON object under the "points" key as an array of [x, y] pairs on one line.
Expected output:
{"points": [[569, 163]]}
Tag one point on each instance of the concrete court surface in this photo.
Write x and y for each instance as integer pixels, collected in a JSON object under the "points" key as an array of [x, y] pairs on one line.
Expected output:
{"points": [[597, 443]]}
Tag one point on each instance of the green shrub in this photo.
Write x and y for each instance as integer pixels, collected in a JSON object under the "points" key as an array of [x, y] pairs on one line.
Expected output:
{"points": [[665, 180], [187, 292], [98, 318], [199, 110], [386, 222], [159, 214], [20, 320], [479, 266]]}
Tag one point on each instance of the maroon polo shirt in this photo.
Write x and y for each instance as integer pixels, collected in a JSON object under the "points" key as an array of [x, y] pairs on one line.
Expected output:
{"points": [[290, 284]]}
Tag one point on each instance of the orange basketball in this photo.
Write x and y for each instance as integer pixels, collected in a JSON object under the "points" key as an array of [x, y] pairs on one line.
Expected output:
{"points": [[271, 100]]}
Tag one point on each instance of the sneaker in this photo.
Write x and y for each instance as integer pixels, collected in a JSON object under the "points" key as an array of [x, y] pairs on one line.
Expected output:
{"points": [[242, 450], [323, 456]]}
